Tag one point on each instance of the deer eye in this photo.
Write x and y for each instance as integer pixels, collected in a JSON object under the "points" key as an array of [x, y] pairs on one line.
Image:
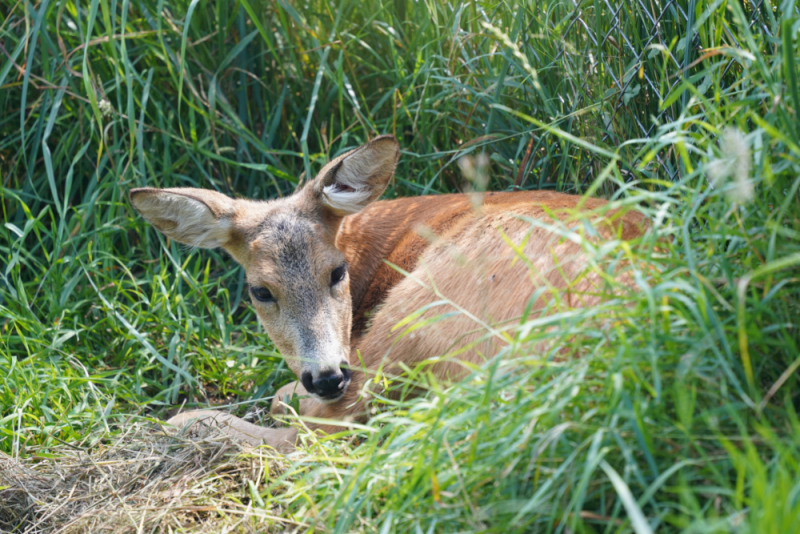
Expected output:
{"points": [[262, 294], [337, 275]]}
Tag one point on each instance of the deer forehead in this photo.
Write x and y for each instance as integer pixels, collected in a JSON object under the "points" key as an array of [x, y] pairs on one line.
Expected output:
{"points": [[290, 251]]}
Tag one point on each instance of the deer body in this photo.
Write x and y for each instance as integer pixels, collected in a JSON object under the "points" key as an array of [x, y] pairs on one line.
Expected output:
{"points": [[326, 268]]}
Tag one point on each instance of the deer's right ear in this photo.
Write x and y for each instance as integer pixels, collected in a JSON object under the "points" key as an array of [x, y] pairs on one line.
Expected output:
{"points": [[194, 217], [350, 182]]}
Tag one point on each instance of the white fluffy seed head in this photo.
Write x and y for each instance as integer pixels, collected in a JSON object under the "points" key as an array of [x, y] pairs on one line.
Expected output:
{"points": [[734, 163]]}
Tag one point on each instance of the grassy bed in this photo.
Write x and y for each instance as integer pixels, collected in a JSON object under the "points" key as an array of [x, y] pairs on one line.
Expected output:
{"points": [[679, 415]]}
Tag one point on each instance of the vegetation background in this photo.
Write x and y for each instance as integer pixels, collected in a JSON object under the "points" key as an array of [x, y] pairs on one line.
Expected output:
{"points": [[680, 417]]}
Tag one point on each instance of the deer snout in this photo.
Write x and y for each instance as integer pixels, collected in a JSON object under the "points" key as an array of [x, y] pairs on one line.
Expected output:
{"points": [[329, 385]]}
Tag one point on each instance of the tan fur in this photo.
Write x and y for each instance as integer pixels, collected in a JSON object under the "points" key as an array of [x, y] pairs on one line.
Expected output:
{"points": [[453, 252]]}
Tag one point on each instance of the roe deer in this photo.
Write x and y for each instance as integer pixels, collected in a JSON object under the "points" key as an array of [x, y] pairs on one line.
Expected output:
{"points": [[320, 269]]}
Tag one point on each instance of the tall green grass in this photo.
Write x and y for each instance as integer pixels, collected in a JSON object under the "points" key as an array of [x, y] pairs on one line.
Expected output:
{"points": [[680, 416]]}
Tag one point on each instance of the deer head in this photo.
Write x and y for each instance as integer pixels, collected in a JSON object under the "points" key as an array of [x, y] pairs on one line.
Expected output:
{"points": [[299, 282]]}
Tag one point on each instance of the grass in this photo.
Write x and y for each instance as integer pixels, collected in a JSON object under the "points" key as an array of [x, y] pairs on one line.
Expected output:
{"points": [[680, 416]]}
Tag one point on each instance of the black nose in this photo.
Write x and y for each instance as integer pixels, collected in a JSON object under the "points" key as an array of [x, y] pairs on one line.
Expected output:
{"points": [[327, 384]]}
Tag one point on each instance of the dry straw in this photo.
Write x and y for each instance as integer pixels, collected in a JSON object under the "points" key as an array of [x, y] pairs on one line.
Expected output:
{"points": [[141, 480]]}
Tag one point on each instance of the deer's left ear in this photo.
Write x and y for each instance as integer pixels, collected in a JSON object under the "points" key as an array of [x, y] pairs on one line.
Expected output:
{"points": [[352, 181], [194, 217]]}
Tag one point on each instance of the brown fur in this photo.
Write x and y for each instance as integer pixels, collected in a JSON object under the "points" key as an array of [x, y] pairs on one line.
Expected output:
{"points": [[451, 245]]}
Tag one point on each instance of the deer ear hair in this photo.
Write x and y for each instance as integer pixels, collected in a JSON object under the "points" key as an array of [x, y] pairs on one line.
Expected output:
{"points": [[194, 217], [353, 180]]}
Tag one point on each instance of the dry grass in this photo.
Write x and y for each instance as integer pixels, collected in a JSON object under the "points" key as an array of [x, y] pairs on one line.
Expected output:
{"points": [[141, 480]]}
